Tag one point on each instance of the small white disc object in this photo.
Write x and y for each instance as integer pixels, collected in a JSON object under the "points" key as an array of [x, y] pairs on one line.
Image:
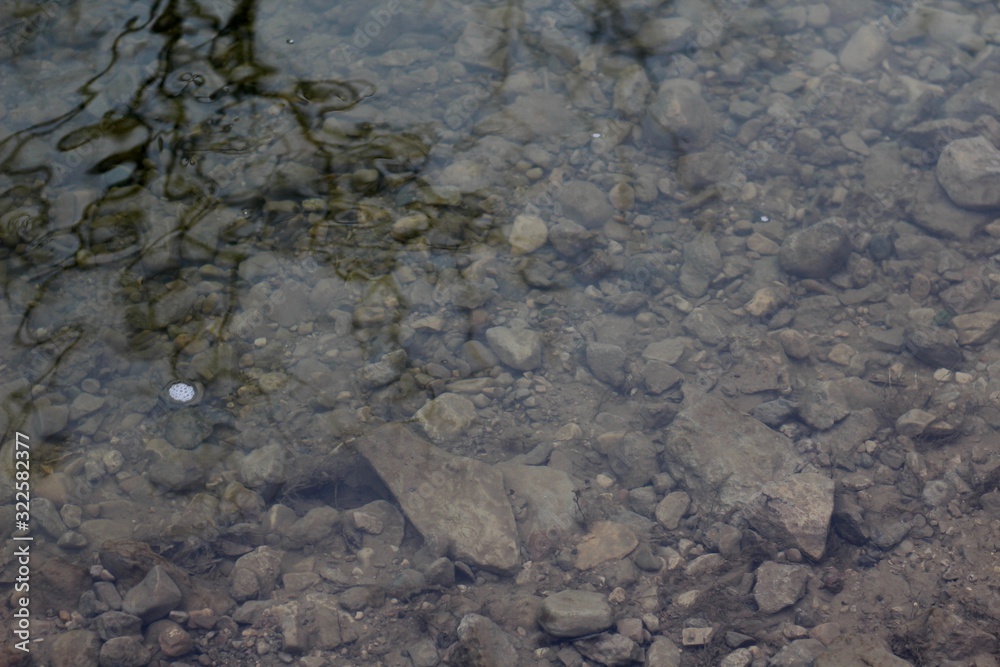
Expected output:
{"points": [[181, 392]]}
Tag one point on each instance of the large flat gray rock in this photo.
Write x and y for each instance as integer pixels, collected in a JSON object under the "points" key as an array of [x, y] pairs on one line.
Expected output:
{"points": [[452, 500], [724, 456]]}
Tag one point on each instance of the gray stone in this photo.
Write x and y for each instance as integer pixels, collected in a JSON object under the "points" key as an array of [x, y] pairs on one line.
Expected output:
{"points": [[75, 648], [779, 586], [47, 419], [483, 643], [979, 97], [933, 210], [117, 624], [446, 417], [481, 45], [672, 508], [521, 348], [663, 652], [175, 469], [385, 371], [631, 90], [317, 524], [264, 467], [527, 234], [261, 567], [914, 422], [569, 238], [407, 584], [124, 652], [859, 651], [823, 404], [311, 623], [935, 346], [723, 455], [154, 597], [698, 170], [795, 512], [550, 512], [680, 117], [969, 171], [585, 203], [186, 429], [665, 35], [46, 516], [84, 404], [818, 251], [610, 648], [607, 363], [451, 500], [799, 653], [976, 328], [864, 50], [573, 613], [702, 264]]}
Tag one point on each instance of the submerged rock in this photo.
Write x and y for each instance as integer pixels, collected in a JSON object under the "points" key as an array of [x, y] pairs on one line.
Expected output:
{"points": [[451, 500]]}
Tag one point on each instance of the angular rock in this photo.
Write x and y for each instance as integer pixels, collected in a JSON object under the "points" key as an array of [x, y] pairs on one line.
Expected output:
{"points": [[606, 541], [572, 613], [482, 642], [969, 171], [680, 117], [933, 210], [311, 623], [818, 251], [663, 652], [585, 203], [446, 417], [154, 597], [779, 586], [934, 346], [256, 573], [859, 651], [451, 500], [671, 509], [702, 263], [795, 512], [864, 50], [264, 467], [75, 648], [607, 363], [609, 648], [722, 455], [117, 624], [124, 652], [551, 514], [521, 349]]}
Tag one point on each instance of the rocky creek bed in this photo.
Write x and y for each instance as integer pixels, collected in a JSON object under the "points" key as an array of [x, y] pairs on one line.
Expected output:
{"points": [[691, 363]]}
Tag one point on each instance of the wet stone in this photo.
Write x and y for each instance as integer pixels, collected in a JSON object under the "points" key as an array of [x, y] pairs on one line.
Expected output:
{"points": [[607, 363], [258, 570], [482, 642], [385, 371], [606, 541], [528, 234], [186, 429], [610, 648], [446, 417], [679, 117], [574, 613], [585, 203], [779, 586], [124, 652], [672, 508], [75, 648], [521, 349], [569, 238], [864, 50], [818, 251], [663, 652], [969, 171], [153, 597], [550, 512], [264, 467], [117, 624], [173, 640], [46, 516], [795, 512], [451, 499], [407, 584], [317, 525], [176, 469]]}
